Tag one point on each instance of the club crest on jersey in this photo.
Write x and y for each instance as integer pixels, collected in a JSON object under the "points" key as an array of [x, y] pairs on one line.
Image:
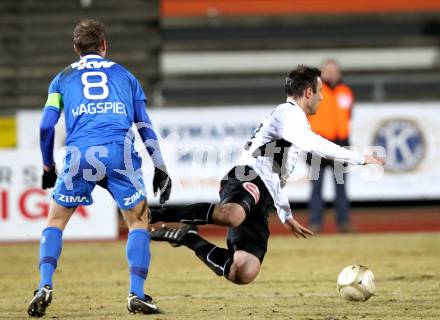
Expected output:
{"points": [[253, 190]]}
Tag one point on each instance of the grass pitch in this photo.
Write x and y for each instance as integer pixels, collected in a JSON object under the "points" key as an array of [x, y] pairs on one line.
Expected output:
{"points": [[297, 280]]}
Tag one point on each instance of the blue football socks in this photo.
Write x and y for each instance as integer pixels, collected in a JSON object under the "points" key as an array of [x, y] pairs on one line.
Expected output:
{"points": [[138, 255], [50, 250]]}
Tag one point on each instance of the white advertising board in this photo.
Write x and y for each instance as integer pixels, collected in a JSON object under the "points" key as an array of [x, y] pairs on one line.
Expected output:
{"points": [[201, 144], [24, 205]]}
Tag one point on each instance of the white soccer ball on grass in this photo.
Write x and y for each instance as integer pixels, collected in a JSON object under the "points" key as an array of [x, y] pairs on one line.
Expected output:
{"points": [[356, 283]]}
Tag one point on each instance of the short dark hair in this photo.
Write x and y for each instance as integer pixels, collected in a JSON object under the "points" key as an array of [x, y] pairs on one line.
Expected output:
{"points": [[88, 36], [300, 79]]}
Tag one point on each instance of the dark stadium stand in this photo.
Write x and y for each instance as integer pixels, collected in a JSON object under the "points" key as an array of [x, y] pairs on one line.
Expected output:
{"points": [[36, 43], [220, 28]]}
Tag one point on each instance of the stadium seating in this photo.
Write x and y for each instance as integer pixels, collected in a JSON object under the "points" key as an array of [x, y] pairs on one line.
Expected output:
{"points": [[226, 54], [214, 58], [36, 43]]}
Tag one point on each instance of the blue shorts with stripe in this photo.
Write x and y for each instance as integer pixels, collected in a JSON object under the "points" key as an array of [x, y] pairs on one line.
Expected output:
{"points": [[105, 165]]}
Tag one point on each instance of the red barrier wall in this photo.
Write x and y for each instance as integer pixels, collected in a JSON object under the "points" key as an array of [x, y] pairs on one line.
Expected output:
{"points": [[187, 8]]}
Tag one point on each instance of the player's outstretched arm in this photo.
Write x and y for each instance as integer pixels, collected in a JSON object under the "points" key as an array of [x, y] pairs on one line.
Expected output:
{"points": [[299, 133], [296, 228]]}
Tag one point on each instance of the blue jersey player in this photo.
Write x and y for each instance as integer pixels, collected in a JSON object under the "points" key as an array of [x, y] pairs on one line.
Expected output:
{"points": [[100, 100]]}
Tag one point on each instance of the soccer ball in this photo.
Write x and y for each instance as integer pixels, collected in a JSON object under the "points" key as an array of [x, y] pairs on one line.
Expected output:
{"points": [[356, 283]]}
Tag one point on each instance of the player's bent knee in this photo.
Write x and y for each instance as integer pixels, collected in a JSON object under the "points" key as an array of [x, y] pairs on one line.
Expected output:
{"points": [[245, 275], [245, 268]]}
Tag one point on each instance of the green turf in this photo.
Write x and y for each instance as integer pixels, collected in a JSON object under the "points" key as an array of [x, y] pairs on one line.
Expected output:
{"points": [[297, 281]]}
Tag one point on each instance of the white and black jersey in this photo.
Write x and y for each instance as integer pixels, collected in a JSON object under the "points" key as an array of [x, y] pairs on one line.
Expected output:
{"points": [[275, 147]]}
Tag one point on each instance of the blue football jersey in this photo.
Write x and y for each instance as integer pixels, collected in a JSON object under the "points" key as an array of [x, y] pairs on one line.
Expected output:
{"points": [[97, 96]]}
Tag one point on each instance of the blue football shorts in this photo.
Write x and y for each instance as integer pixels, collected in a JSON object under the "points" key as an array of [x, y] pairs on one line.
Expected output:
{"points": [[103, 165]]}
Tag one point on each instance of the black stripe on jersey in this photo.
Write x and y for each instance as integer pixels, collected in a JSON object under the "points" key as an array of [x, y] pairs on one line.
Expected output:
{"points": [[275, 150]]}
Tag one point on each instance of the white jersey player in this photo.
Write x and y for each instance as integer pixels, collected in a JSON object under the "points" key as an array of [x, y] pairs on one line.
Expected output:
{"points": [[257, 184], [274, 149]]}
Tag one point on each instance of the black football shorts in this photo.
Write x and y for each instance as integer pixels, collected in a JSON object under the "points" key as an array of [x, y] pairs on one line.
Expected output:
{"points": [[243, 186]]}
